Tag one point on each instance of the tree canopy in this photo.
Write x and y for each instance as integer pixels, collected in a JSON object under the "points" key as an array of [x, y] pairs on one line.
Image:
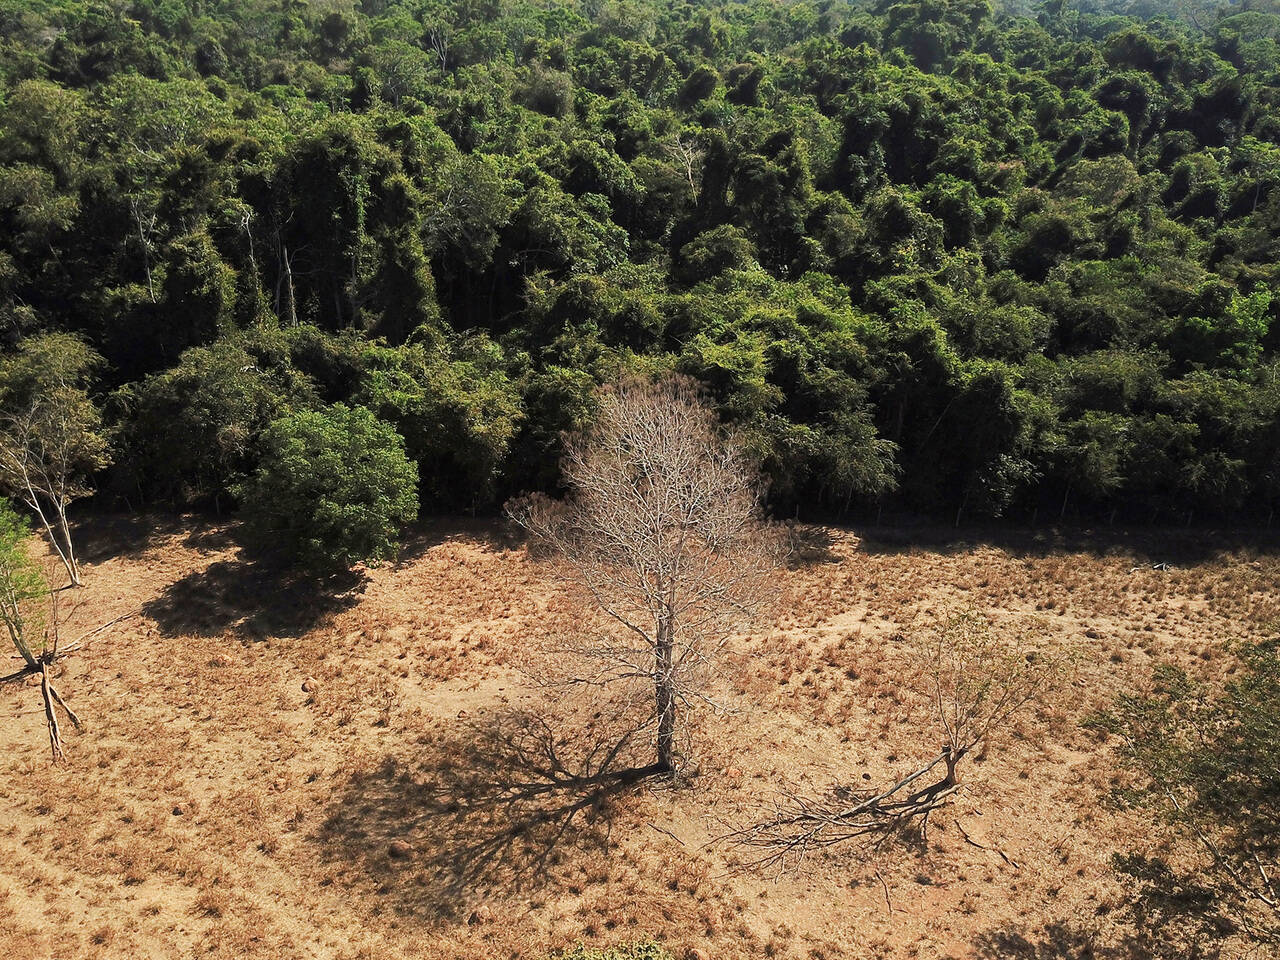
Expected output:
{"points": [[957, 258]]}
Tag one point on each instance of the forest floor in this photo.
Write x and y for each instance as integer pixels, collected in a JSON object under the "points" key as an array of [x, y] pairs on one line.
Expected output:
{"points": [[212, 807]]}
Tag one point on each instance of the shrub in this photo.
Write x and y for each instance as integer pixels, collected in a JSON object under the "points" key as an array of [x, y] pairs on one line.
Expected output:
{"points": [[189, 432], [1208, 762], [333, 487]]}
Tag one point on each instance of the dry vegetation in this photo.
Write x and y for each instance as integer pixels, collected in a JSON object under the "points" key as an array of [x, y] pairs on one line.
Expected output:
{"points": [[405, 802]]}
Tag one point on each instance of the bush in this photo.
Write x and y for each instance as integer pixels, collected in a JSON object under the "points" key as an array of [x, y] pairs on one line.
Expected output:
{"points": [[333, 487], [1208, 762]]}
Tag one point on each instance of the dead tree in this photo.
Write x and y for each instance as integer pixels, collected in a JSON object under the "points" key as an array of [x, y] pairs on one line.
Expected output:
{"points": [[438, 41], [52, 698], [661, 531], [975, 681], [685, 151]]}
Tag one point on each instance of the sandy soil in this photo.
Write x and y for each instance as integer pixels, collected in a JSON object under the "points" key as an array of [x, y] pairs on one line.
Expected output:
{"points": [[213, 807]]}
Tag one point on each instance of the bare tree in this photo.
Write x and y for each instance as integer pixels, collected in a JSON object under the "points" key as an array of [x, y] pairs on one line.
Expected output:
{"points": [[685, 150], [438, 41], [975, 681], [662, 531], [51, 437]]}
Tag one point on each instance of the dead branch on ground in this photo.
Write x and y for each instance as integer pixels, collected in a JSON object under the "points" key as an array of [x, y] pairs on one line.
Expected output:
{"points": [[975, 681]]}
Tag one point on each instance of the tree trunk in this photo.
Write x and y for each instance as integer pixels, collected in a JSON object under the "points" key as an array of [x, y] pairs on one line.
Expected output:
{"points": [[12, 621], [952, 757], [68, 550], [291, 306], [61, 545], [665, 700]]}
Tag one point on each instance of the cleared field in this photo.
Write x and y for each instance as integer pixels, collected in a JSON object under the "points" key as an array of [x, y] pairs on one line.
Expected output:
{"points": [[214, 807]]}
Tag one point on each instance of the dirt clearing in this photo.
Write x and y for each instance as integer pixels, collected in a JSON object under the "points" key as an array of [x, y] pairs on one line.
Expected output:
{"points": [[215, 808]]}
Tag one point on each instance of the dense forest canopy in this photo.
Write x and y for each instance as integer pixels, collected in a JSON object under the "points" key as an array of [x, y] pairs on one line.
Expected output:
{"points": [[925, 254]]}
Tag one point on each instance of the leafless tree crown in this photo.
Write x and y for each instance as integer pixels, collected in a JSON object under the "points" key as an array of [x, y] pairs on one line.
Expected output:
{"points": [[662, 530]]}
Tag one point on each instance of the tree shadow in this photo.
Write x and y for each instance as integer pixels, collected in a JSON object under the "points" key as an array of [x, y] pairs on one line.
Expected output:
{"points": [[809, 546], [103, 536], [220, 536], [482, 812], [1073, 941], [257, 597], [436, 530], [1179, 547]]}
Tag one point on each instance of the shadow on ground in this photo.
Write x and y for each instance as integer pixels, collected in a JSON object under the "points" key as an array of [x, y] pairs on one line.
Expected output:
{"points": [[809, 546], [1070, 941], [480, 813], [102, 536], [1145, 546], [493, 532], [257, 597]]}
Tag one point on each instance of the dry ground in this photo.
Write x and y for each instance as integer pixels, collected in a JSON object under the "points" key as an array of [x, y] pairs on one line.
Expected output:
{"points": [[214, 808]]}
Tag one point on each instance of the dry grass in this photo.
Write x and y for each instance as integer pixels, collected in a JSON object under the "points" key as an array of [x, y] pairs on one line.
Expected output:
{"points": [[214, 808]]}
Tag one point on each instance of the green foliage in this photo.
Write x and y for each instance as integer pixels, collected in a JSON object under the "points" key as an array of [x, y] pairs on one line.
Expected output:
{"points": [[189, 432], [22, 585], [458, 414], [1208, 761], [52, 439], [333, 487], [949, 256]]}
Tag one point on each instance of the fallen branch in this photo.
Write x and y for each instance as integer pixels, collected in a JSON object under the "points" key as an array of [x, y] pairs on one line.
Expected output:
{"points": [[887, 902], [982, 846], [805, 823], [87, 638], [71, 714], [62, 651], [51, 714], [976, 680], [667, 832]]}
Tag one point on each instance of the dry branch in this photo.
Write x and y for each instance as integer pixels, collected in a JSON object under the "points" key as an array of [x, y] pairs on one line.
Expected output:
{"points": [[51, 714], [975, 681], [801, 824]]}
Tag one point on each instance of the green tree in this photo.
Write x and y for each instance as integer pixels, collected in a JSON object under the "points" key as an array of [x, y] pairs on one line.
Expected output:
{"points": [[52, 440], [189, 433], [333, 487], [457, 414]]}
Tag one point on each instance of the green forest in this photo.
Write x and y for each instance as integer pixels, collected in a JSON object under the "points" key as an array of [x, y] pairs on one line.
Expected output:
{"points": [[935, 257]]}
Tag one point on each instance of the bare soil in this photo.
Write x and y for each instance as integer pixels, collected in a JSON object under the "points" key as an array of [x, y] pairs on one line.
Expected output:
{"points": [[215, 808]]}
